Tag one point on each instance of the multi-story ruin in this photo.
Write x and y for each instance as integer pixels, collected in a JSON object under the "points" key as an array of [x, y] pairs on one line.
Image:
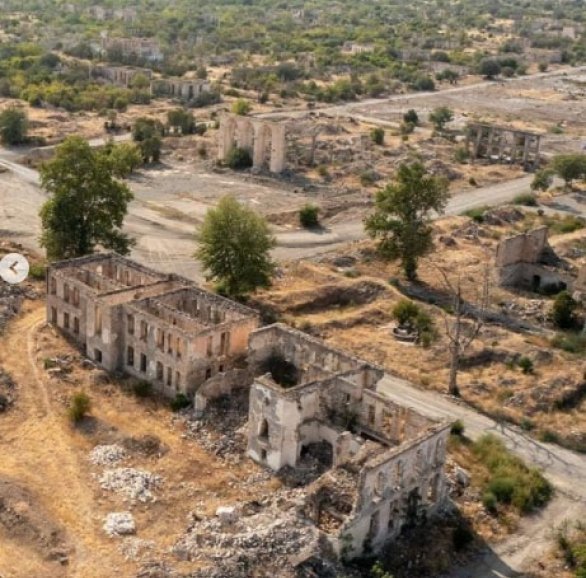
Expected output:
{"points": [[503, 145], [156, 327], [146, 48], [264, 139], [180, 88], [384, 463], [120, 75]]}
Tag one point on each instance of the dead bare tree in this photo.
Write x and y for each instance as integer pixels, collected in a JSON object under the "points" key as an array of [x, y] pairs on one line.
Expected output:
{"points": [[465, 322], [315, 132]]}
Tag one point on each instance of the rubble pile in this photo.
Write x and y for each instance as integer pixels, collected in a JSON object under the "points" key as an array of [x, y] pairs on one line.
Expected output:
{"points": [[222, 431], [11, 300], [138, 485], [259, 540], [534, 309], [107, 455], [119, 524], [133, 548]]}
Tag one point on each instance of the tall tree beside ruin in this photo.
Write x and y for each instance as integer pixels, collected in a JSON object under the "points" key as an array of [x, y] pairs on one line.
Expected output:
{"points": [[234, 247], [464, 321], [402, 217], [87, 205]]}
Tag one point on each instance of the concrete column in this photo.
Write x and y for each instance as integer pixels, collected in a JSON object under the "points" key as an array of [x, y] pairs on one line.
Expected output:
{"points": [[245, 134], [278, 146], [258, 158]]}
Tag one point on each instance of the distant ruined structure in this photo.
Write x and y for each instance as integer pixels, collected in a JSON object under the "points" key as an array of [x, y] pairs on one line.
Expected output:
{"points": [[266, 141], [503, 145]]}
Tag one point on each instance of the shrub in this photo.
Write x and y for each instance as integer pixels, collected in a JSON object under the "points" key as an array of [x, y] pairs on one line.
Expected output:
{"points": [[461, 537], [377, 135], [142, 388], [489, 501], [38, 271], [322, 171], [411, 117], [526, 365], [548, 437], [461, 155], [570, 342], [563, 310], [542, 180], [309, 216], [526, 199], [458, 428], [405, 312], [179, 402], [502, 489], [79, 407], [241, 107], [527, 424], [239, 158]]}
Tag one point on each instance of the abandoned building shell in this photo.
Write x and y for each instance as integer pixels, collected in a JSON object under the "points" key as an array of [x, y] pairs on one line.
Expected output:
{"points": [[386, 461], [156, 327], [265, 140], [503, 144]]}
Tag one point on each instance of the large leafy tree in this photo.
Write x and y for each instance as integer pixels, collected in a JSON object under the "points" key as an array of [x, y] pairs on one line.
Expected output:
{"points": [[402, 216], [569, 167], [87, 205], [13, 125], [234, 247]]}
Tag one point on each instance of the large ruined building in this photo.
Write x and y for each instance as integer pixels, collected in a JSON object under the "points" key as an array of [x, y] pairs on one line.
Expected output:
{"points": [[156, 327], [264, 139], [503, 145], [384, 463]]}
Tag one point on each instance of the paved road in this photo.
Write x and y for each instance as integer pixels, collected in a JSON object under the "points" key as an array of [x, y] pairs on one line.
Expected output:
{"points": [[372, 103]]}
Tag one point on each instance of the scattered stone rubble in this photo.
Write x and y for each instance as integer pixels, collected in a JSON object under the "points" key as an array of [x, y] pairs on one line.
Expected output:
{"points": [[107, 455], [11, 300], [119, 524], [133, 548], [137, 485]]}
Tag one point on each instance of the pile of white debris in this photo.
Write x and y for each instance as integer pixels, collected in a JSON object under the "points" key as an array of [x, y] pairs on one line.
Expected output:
{"points": [[108, 455], [138, 485]]}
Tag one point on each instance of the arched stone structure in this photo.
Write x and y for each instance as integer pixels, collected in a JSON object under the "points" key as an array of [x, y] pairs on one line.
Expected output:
{"points": [[255, 135]]}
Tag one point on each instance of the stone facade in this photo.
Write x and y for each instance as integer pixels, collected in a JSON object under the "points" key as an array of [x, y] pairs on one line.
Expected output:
{"points": [[384, 462], [503, 145], [526, 261], [266, 141], [120, 75], [180, 88], [140, 47], [156, 327]]}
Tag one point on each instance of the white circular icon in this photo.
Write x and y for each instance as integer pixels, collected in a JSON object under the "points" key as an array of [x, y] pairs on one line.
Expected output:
{"points": [[14, 268]]}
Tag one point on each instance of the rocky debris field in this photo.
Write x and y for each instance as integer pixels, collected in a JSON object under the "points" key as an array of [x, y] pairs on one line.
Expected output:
{"points": [[119, 524], [108, 455], [11, 300], [136, 485]]}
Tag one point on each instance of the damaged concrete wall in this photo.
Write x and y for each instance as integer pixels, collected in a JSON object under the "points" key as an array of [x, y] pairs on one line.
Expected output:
{"points": [[523, 248]]}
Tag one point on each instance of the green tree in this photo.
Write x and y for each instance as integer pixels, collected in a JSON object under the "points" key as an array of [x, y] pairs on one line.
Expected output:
{"points": [[440, 116], [402, 216], [542, 180], [563, 310], [489, 67], [146, 133], [234, 247], [241, 107], [239, 158], [183, 119], [125, 158], [140, 81], [569, 167], [411, 117], [13, 125], [87, 205]]}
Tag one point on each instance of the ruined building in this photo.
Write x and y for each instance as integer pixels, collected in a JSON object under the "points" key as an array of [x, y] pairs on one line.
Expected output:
{"points": [[180, 88], [120, 75], [156, 327], [384, 463], [503, 145], [265, 140]]}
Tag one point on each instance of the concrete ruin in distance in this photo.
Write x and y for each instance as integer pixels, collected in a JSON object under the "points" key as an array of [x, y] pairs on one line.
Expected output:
{"points": [[264, 139]]}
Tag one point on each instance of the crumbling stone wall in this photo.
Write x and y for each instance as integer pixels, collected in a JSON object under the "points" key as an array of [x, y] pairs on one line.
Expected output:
{"points": [[266, 141]]}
